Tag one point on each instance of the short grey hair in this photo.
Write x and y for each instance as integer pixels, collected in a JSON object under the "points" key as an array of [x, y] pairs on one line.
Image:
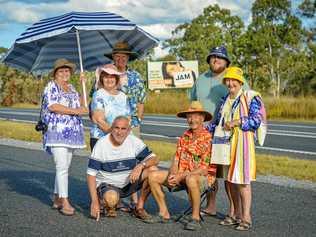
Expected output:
{"points": [[121, 117]]}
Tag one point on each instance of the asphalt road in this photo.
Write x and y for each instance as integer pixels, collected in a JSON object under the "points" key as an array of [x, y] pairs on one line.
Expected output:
{"points": [[290, 139], [26, 182]]}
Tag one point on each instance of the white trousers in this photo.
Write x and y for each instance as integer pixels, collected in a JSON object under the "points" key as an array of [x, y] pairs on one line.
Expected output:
{"points": [[62, 159]]}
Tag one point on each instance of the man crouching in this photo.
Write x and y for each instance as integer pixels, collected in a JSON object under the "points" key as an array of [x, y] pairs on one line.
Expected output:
{"points": [[191, 167], [119, 166]]}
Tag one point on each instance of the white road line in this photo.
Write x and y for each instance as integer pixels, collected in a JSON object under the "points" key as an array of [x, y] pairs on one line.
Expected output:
{"points": [[175, 138], [286, 150]]}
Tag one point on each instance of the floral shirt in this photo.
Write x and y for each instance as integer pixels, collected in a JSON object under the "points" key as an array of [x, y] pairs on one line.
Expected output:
{"points": [[195, 154], [111, 105], [62, 129], [136, 94]]}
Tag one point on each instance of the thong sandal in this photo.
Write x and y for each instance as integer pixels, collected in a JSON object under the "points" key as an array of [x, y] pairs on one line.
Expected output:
{"points": [[67, 212], [243, 226], [229, 221]]}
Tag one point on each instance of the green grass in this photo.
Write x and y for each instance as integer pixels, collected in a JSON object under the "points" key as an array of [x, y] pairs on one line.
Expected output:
{"points": [[266, 164]]}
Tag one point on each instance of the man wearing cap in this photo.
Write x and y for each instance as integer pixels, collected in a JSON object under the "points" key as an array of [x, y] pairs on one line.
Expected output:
{"points": [[209, 89], [130, 83], [191, 167]]}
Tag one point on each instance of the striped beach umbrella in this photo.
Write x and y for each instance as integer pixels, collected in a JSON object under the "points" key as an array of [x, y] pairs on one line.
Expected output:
{"points": [[81, 37]]}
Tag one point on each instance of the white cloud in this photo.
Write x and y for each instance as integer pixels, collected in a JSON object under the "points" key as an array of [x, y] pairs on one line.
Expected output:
{"points": [[142, 12], [161, 31], [158, 17]]}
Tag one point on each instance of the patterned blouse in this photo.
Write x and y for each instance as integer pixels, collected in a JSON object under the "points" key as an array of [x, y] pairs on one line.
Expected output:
{"points": [[248, 123], [111, 105], [195, 154], [136, 94], [63, 130]]}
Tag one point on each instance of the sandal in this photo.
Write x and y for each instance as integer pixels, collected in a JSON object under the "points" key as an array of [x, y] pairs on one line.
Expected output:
{"points": [[142, 214], [193, 225], [243, 226], [111, 212], [67, 211], [229, 221], [205, 213], [129, 209], [158, 219]]}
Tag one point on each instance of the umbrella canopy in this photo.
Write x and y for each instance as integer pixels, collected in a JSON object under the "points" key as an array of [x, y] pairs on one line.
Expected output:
{"points": [[81, 37]]}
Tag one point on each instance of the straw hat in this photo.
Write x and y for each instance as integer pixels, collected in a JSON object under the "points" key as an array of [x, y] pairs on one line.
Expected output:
{"points": [[234, 73], [62, 62], [195, 107], [122, 47]]}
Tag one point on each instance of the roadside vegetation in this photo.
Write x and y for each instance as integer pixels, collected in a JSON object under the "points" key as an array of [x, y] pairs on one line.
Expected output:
{"points": [[266, 164]]}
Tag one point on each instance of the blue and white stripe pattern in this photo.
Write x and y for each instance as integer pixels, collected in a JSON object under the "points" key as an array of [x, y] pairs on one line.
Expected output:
{"points": [[52, 38]]}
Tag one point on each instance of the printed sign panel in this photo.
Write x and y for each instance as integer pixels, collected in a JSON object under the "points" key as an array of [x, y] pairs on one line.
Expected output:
{"points": [[172, 74]]}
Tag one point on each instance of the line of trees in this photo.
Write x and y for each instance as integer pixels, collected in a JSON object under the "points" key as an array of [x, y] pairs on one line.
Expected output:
{"points": [[276, 50]]}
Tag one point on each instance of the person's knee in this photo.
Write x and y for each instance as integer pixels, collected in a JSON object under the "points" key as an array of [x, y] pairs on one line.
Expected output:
{"points": [[111, 198], [152, 168], [156, 177], [192, 181]]}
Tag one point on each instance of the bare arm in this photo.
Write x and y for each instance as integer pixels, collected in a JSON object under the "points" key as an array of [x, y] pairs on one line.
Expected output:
{"points": [[135, 174], [98, 118], [61, 109], [140, 111], [95, 205]]}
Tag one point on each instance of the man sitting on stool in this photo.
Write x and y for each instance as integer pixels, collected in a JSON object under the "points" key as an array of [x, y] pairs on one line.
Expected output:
{"points": [[191, 167], [119, 166]]}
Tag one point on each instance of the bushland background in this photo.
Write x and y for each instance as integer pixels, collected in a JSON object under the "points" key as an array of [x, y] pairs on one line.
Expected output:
{"points": [[277, 51]]}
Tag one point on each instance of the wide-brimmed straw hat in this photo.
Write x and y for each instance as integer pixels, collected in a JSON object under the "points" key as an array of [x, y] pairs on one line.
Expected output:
{"points": [[62, 62], [122, 47], [195, 107], [234, 73]]}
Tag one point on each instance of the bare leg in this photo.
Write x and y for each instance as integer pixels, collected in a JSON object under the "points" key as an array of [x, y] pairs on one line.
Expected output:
{"points": [[236, 199], [211, 200], [193, 184], [156, 179], [111, 198], [228, 189], [145, 191], [245, 193]]}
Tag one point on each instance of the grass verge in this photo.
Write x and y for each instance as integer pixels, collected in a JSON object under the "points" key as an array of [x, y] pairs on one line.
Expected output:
{"points": [[266, 164]]}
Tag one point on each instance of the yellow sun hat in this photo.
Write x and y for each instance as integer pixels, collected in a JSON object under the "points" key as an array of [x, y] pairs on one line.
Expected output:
{"points": [[234, 73]]}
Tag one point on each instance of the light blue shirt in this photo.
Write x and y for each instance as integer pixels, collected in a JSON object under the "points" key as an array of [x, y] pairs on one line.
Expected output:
{"points": [[112, 106], [209, 89]]}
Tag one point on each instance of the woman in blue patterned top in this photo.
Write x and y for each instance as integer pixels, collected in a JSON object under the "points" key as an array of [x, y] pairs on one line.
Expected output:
{"points": [[61, 112], [107, 102]]}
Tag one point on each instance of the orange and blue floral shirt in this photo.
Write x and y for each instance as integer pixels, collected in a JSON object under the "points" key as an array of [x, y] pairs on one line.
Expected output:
{"points": [[194, 154]]}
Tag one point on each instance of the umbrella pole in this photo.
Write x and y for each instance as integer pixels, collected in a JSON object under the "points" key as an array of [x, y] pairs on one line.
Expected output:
{"points": [[81, 69]]}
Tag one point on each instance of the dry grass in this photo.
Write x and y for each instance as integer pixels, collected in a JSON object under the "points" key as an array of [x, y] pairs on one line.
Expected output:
{"points": [[266, 164], [285, 108]]}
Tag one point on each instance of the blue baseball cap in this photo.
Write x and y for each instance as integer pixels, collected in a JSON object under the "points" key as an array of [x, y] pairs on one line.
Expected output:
{"points": [[220, 52]]}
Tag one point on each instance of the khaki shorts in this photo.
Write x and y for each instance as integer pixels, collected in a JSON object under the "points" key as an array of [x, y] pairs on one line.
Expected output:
{"points": [[203, 185]]}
